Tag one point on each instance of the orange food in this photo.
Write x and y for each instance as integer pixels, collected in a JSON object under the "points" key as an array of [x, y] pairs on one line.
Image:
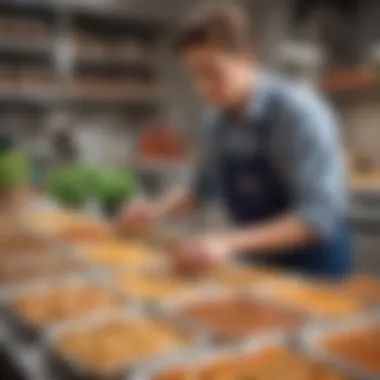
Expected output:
{"points": [[361, 348], [363, 288], [15, 244], [69, 226], [62, 303], [30, 266], [116, 344], [269, 364], [241, 277], [118, 253], [155, 287], [236, 318], [314, 300]]}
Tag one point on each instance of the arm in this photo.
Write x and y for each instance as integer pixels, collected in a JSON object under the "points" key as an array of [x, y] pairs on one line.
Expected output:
{"points": [[199, 187], [177, 201], [285, 232]]}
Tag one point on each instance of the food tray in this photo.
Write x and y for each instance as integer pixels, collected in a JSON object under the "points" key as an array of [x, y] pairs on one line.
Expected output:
{"points": [[155, 261], [206, 355], [29, 268], [366, 288], [67, 227], [251, 276], [265, 291], [311, 341], [69, 368], [174, 310], [152, 305], [28, 332]]}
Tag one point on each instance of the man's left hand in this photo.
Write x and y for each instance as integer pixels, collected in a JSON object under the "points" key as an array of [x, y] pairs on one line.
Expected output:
{"points": [[202, 254]]}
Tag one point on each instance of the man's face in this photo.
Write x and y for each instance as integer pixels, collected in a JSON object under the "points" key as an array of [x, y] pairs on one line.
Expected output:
{"points": [[218, 74]]}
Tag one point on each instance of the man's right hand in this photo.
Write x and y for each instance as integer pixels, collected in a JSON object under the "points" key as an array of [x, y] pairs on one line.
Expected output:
{"points": [[138, 217]]}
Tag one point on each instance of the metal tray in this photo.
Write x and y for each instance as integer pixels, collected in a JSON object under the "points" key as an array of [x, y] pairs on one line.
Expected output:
{"points": [[311, 342], [263, 291], [26, 331], [155, 307], [61, 267], [69, 368], [173, 310], [206, 355], [159, 264]]}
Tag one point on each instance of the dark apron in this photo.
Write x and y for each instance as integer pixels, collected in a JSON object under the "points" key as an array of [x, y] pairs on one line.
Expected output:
{"points": [[254, 191]]}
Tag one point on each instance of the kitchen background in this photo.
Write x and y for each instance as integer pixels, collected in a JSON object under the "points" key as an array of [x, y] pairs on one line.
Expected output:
{"points": [[91, 82]]}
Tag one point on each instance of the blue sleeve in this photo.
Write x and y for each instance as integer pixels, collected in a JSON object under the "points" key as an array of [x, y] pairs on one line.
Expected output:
{"points": [[315, 166]]}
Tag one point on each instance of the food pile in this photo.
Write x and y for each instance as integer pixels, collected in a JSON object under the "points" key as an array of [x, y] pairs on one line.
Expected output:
{"points": [[235, 318], [92, 329], [60, 304], [119, 343]]}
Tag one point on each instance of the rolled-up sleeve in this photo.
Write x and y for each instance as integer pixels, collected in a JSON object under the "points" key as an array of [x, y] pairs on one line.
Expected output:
{"points": [[314, 165]]}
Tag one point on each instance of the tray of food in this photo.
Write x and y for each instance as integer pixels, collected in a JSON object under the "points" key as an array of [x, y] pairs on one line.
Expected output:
{"points": [[152, 288], [116, 254], [238, 276], [265, 358], [353, 344], [230, 316], [15, 244], [109, 345], [364, 288], [31, 309], [68, 226], [24, 268], [315, 299]]}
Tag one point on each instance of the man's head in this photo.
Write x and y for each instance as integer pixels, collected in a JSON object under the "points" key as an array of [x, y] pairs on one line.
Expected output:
{"points": [[216, 45]]}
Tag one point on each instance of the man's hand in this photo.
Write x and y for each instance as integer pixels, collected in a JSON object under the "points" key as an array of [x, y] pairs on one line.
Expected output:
{"points": [[201, 254], [139, 216]]}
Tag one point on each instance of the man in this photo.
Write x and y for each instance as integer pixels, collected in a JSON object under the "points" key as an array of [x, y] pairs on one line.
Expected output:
{"points": [[271, 151]]}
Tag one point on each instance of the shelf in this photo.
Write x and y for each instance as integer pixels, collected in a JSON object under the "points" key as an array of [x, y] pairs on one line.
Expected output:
{"points": [[132, 107], [29, 8], [25, 48], [85, 65], [372, 92], [39, 99], [110, 21]]}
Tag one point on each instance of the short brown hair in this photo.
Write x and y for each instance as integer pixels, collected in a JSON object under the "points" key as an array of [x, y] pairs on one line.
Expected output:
{"points": [[226, 25]]}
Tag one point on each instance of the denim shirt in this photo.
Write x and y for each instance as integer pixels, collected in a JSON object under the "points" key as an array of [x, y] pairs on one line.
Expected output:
{"points": [[305, 143]]}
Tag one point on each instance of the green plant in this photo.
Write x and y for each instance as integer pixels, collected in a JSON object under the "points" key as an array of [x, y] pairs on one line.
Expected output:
{"points": [[14, 169]]}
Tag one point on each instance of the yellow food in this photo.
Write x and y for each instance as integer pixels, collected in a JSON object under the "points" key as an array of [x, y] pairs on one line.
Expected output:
{"points": [[118, 253], [24, 267], [119, 343], [241, 277], [314, 300], [61, 304], [69, 226], [155, 287], [235, 318]]}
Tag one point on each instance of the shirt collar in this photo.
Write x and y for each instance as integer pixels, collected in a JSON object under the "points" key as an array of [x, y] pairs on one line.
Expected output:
{"points": [[259, 99]]}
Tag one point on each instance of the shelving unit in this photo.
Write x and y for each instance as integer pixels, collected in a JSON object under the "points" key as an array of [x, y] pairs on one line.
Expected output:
{"points": [[46, 34]]}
